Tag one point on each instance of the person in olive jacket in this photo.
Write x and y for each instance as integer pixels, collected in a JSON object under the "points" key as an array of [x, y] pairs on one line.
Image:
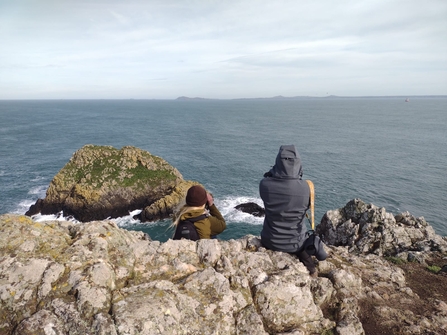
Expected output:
{"points": [[196, 199]]}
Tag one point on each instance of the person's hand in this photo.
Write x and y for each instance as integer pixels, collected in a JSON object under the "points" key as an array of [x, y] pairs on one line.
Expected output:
{"points": [[210, 200]]}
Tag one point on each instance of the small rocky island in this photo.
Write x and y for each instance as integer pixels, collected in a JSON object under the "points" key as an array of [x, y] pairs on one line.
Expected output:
{"points": [[101, 182]]}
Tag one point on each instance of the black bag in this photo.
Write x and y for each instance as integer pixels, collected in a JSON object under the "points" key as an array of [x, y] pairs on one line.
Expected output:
{"points": [[186, 229], [313, 245]]}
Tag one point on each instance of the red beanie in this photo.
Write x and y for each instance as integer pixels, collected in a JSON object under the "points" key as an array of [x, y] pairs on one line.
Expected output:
{"points": [[196, 196]]}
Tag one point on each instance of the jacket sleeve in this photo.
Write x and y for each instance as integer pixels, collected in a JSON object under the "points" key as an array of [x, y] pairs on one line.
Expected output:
{"points": [[217, 221]]}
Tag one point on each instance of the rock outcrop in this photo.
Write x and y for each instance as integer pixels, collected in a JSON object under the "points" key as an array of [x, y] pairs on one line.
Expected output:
{"points": [[369, 229], [94, 278], [251, 208], [101, 182], [164, 207]]}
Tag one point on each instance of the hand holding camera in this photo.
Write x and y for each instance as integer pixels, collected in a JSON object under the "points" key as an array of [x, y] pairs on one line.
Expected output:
{"points": [[210, 200]]}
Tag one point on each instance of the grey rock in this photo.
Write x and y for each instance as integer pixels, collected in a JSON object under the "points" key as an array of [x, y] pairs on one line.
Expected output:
{"points": [[366, 228], [251, 208]]}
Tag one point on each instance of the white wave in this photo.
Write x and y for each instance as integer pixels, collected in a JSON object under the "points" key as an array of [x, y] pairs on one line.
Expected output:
{"points": [[36, 192], [227, 207], [38, 178], [23, 206], [124, 221], [40, 191], [53, 217], [128, 220]]}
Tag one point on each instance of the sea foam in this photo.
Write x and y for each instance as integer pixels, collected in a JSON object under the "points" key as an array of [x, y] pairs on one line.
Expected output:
{"points": [[226, 206]]}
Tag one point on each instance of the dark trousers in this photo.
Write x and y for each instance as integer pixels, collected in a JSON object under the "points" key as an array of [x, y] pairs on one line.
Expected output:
{"points": [[306, 260]]}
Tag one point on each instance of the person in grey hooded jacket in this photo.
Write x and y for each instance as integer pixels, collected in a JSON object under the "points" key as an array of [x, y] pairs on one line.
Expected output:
{"points": [[286, 200]]}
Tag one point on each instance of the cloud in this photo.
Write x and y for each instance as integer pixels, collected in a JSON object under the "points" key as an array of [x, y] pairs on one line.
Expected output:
{"points": [[247, 48], [120, 18]]}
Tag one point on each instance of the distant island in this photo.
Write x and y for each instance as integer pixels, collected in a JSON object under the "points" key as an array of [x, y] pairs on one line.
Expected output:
{"points": [[196, 98], [301, 97]]}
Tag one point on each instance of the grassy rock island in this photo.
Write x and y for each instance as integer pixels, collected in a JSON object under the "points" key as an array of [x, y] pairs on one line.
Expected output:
{"points": [[101, 182]]}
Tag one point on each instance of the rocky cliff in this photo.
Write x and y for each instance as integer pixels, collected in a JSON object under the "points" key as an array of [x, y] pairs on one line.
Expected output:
{"points": [[101, 182], [383, 275]]}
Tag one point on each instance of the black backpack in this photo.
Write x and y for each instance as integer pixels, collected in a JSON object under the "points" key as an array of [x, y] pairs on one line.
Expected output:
{"points": [[186, 229]]}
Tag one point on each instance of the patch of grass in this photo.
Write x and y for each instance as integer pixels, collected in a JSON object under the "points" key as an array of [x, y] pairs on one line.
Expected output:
{"points": [[151, 176], [104, 165], [433, 268]]}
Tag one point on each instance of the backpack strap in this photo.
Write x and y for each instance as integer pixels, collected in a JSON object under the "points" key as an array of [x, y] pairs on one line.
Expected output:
{"points": [[312, 202], [197, 218]]}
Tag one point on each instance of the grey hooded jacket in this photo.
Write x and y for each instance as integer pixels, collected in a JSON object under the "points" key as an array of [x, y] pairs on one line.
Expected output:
{"points": [[286, 199]]}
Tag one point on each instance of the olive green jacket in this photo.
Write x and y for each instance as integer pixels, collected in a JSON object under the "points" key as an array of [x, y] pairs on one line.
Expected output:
{"points": [[210, 226]]}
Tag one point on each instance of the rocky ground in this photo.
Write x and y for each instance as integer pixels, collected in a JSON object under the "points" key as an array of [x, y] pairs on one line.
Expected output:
{"points": [[384, 274], [430, 300]]}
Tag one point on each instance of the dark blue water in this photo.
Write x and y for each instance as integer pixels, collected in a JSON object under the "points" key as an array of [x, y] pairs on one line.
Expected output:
{"points": [[384, 151]]}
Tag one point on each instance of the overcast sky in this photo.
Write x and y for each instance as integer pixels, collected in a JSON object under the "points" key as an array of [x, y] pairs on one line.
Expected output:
{"points": [[82, 49]]}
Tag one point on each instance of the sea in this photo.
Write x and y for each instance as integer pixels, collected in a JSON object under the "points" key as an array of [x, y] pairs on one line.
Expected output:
{"points": [[385, 151]]}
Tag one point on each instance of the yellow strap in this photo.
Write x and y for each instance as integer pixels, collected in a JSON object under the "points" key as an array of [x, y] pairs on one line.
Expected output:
{"points": [[312, 202]]}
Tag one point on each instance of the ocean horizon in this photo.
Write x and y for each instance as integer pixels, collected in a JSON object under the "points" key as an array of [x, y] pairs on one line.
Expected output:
{"points": [[278, 97]]}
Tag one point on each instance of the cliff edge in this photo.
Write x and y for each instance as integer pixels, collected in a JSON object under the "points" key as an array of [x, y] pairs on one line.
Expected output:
{"points": [[94, 278]]}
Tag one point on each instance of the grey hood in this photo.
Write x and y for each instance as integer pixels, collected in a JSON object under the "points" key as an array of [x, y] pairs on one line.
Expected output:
{"points": [[288, 163]]}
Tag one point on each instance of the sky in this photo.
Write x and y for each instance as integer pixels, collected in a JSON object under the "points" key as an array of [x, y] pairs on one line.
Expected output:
{"points": [[150, 49]]}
